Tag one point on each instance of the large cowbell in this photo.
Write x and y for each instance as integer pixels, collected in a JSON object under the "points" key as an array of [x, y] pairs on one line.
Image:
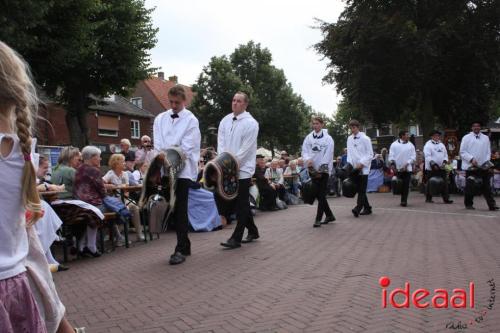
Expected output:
{"points": [[161, 179], [309, 191], [397, 185], [221, 175], [436, 185], [473, 185], [348, 188]]}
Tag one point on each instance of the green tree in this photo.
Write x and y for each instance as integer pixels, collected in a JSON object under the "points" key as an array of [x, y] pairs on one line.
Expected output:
{"points": [[283, 115], [434, 61], [81, 47]]}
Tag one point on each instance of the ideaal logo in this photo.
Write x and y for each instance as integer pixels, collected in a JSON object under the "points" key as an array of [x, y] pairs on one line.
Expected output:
{"points": [[440, 299], [460, 298]]}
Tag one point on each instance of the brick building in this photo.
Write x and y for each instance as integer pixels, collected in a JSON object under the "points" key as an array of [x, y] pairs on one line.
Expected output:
{"points": [[109, 120], [152, 94]]}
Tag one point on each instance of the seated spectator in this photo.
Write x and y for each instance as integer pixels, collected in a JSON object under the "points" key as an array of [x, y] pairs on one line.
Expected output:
{"points": [[376, 175], [293, 179], [303, 173], [43, 169], [74, 212], [129, 154], [145, 154], [282, 164], [89, 186], [140, 173], [64, 172], [117, 176], [267, 193], [275, 176]]}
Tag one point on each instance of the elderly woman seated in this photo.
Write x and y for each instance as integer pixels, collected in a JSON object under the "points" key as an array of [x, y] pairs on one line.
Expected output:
{"points": [[89, 186], [267, 193], [117, 177], [292, 178], [275, 175]]}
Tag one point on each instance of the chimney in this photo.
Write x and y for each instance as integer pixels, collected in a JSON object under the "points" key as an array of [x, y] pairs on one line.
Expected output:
{"points": [[173, 79], [161, 75]]}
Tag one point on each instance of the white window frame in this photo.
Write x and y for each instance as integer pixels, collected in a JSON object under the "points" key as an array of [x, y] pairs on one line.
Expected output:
{"points": [[137, 101], [135, 125]]}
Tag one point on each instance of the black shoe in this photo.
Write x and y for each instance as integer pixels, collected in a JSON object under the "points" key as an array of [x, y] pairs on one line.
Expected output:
{"points": [[494, 208], [355, 212], [231, 244], [366, 212], [328, 220], [470, 207], [250, 238], [62, 268], [88, 254], [448, 201], [429, 201], [317, 224], [176, 258], [403, 204]]}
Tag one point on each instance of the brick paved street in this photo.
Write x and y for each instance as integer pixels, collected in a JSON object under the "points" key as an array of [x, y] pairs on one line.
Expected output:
{"points": [[296, 278]]}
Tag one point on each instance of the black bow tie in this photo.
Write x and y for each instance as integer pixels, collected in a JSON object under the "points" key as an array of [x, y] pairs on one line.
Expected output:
{"points": [[319, 136], [436, 143], [477, 136], [174, 115], [403, 142], [234, 118], [356, 137]]}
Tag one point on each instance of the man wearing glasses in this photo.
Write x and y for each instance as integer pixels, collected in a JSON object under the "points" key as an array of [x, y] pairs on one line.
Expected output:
{"points": [[146, 153]]}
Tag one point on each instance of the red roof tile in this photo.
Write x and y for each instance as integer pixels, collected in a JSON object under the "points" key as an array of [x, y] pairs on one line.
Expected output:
{"points": [[160, 89]]}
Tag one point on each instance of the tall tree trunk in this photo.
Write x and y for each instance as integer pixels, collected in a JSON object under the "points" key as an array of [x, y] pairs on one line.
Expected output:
{"points": [[427, 121], [76, 119]]}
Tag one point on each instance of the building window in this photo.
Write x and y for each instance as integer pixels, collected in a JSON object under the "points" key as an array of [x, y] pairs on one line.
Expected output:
{"points": [[413, 129], [372, 132], [385, 130], [135, 129], [137, 101], [107, 126]]}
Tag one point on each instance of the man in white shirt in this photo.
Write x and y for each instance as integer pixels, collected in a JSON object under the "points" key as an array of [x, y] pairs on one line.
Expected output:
{"points": [[435, 157], [179, 127], [237, 135], [402, 156], [359, 155], [475, 150], [317, 152]]}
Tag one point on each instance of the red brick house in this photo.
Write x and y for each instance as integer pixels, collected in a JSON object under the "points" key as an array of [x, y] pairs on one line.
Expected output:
{"points": [[152, 94], [109, 120]]}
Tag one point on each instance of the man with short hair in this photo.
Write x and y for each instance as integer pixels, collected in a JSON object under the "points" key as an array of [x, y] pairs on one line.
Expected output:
{"points": [[435, 157], [145, 154], [317, 151], [359, 155], [237, 135], [402, 156], [475, 150], [179, 127]]}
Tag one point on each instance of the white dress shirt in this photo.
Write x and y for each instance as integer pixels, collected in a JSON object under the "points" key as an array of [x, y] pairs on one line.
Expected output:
{"points": [[318, 148], [183, 132], [360, 151], [434, 151], [402, 153], [475, 147], [239, 137]]}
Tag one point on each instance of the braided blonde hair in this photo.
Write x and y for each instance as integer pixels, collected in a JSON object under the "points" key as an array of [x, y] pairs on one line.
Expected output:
{"points": [[18, 94]]}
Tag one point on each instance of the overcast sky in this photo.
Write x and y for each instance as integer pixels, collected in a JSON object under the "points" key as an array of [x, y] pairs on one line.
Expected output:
{"points": [[193, 31]]}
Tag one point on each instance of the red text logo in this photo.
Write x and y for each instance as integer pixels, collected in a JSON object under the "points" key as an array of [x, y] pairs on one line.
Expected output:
{"points": [[422, 298]]}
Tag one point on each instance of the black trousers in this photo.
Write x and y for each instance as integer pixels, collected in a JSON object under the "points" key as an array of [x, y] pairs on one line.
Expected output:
{"points": [[406, 178], [323, 207], [361, 182], [437, 173], [181, 221], [486, 188], [243, 213]]}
